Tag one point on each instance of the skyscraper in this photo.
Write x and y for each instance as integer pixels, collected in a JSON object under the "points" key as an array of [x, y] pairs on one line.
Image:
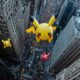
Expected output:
{"points": [[12, 13]]}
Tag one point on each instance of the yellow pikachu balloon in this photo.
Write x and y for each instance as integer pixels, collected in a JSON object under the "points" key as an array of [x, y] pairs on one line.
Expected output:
{"points": [[6, 43], [43, 31]]}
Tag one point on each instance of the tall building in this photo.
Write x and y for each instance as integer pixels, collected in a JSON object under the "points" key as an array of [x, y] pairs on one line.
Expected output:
{"points": [[72, 72], [66, 49], [4, 32], [37, 7], [66, 11], [48, 8], [13, 27]]}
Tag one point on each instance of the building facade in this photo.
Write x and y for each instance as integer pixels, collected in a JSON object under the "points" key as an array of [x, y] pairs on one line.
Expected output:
{"points": [[12, 12], [48, 8]]}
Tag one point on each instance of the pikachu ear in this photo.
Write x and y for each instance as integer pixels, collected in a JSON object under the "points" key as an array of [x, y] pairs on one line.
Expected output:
{"points": [[8, 39], [2, 41], [10, 45], [54, 28], [35, 22], [52, 20], [31, 29]]}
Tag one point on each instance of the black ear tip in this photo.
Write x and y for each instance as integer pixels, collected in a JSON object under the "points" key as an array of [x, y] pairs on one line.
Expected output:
{"points": [[56, 15], [31, 18]]}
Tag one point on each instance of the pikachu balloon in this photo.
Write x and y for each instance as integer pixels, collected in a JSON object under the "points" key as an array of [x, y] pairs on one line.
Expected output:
{"points": [[6, 43], [43, 31]]}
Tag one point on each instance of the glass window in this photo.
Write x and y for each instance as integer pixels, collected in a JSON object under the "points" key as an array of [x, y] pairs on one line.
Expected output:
{"points": [[0, 22], [4, 22], [1, 17]]}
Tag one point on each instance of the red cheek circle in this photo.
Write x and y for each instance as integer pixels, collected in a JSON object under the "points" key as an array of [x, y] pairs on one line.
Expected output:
{"points": [[49, 34]]}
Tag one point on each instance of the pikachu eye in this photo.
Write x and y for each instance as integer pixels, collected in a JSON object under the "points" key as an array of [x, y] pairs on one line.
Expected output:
{"points": [[49, 33], [39, 34]]}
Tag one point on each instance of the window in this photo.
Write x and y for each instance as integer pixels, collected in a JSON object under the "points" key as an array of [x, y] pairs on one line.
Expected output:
{"points": [[9, 18], [1, 17], [0, 22], [4, 22]]}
